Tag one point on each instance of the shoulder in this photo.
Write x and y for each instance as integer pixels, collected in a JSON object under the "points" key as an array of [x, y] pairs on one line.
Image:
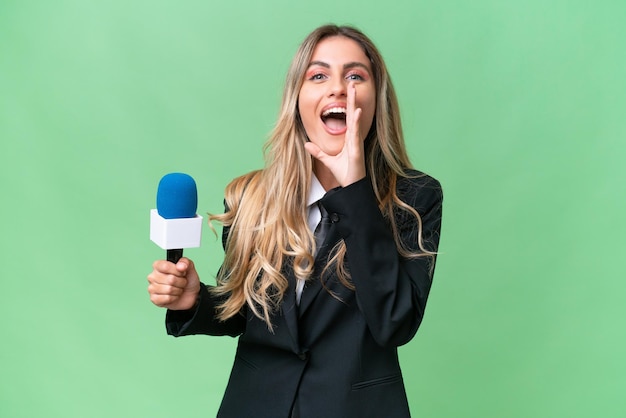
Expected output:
{"points": [[419, 215], [234, 199], [418, 189], [241, 182], [237, 188]]}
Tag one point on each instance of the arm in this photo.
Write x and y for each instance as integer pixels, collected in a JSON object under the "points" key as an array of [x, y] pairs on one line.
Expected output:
{"points": [[191, 306], [391, 291], [202, 319]]}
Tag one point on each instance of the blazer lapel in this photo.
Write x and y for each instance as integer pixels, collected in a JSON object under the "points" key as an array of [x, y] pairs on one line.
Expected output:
{"points": [[315, 283], [290, 310]]}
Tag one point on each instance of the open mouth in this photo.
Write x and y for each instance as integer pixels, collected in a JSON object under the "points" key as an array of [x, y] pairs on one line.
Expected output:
{"points": [[335, 119]]}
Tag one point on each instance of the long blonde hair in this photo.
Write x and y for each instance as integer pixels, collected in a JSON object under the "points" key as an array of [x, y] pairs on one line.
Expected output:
{"points": [[267, 213]]}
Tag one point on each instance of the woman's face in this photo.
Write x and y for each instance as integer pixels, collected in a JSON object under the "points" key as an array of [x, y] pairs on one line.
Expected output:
{"points": [[336, 61]]}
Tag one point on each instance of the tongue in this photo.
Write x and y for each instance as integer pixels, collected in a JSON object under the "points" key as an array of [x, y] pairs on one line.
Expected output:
{"points": [[335, 124]]}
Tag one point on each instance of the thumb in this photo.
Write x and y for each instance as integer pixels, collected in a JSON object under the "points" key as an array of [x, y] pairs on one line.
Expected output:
{"points": [[185, 265], [315, 151]]}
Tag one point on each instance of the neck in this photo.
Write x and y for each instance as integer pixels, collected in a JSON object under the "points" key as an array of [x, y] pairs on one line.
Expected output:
{"points": [[324, 175]]}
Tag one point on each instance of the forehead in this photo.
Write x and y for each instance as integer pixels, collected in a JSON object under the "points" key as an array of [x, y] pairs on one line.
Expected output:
{"points": [[339, 50]]}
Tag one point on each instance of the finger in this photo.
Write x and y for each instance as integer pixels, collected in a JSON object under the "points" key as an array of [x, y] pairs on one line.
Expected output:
{"points": [[166, 267], [163, 290], [356, 132], [167, 279], [163, 301], [315, 151], [351, 105], [353, 114], [183, 265]]}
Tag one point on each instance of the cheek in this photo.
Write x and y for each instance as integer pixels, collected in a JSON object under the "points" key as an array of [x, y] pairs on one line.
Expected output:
{"points": [[306, 116], [365, 125], [367, 117], [304, 105]]}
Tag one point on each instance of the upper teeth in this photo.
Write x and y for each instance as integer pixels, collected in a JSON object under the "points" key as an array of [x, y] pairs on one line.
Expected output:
{"points": [[334, 110]]}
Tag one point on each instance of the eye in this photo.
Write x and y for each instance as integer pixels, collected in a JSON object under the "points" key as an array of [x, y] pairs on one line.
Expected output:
{"points": [[355, 77], [317, 77]]}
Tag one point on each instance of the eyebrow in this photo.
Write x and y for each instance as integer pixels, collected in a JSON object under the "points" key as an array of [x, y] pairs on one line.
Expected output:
{"points": [[346, 66]]}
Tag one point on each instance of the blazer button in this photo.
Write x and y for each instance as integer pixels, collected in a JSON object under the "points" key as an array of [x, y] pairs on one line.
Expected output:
{"points": [[303, 356], [334, 217]]}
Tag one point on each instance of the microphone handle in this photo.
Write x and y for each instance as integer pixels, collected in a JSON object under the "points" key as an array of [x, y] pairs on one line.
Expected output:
{"points": [[174, 255]]}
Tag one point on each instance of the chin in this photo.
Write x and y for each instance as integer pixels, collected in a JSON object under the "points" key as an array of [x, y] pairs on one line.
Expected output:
{"points": [[333, 149]]}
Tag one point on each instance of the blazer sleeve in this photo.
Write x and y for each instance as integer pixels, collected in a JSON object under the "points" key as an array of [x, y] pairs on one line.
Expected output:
{"points": [[203, 319], [391, 291]]}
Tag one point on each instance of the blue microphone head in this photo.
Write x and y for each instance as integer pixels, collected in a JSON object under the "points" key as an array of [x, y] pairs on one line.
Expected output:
{"points": [[177, 196]]}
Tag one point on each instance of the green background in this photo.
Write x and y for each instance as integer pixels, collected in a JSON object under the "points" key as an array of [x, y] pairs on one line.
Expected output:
{"points": [[516, 106]]}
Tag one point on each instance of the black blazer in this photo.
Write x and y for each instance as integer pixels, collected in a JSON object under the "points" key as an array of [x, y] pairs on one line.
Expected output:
{"points": [[336, 357]]}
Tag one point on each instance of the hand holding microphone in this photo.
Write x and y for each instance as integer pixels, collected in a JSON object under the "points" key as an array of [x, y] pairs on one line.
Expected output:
{"points": [[174, 286], [174, 225]]}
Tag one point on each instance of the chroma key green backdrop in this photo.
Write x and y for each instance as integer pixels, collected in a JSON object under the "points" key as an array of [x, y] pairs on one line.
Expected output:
{"points": [[518, 107]]}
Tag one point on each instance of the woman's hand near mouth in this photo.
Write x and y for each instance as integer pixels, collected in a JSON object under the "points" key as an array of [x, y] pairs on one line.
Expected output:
{"points": [[348, 166]]}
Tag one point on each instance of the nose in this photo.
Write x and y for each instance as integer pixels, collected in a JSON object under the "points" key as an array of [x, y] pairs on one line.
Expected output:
{"points": [[338, 87]]}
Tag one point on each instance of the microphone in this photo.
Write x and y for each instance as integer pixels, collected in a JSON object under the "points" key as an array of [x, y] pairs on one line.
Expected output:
{"points": [[174, 224]]}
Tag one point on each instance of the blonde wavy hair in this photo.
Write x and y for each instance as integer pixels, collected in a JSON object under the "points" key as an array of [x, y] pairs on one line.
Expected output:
{"points": [[266, 217]]}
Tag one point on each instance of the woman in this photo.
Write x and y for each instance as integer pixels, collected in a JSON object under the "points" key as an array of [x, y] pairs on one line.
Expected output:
{"points": [[319, 320]]}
